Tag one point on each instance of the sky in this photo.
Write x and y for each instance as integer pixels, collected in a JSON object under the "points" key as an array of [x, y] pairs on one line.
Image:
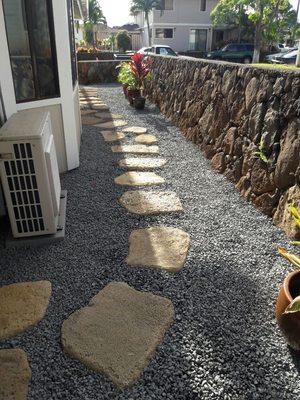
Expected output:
{"points": [[117, 11]]}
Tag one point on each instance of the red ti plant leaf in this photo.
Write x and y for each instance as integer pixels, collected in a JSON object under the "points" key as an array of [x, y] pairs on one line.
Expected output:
{"points": [[140, 67]]}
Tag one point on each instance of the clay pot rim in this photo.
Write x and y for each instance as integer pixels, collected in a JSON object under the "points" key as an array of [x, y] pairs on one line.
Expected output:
{"points": [[286, 284]]}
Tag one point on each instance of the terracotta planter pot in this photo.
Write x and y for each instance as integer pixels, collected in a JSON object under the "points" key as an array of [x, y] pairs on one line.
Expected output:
{"points": [[132, 94], [289, 323]]}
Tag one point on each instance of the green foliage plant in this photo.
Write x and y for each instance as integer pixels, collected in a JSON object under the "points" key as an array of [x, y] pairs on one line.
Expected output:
{"points": [[295, 214], [123, 41], [261, 154], [126, 77]]}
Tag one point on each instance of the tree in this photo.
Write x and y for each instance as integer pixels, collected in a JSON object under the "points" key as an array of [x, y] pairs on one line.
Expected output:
{"points": [[231, 13], [123, 41], [270, 18], [95, 17], [145, 6]]}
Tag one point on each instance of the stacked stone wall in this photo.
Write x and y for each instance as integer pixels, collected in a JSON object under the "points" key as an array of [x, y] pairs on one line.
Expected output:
{"points": [[232, 112]]}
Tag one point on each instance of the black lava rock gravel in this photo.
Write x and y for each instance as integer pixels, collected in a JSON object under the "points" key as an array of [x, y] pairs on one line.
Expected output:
{"points": [[224, 343]]}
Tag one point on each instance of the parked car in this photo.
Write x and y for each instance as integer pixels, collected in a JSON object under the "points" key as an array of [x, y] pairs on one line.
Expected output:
{"points": [[124, 56], [235, 52], [271, 57], [284, 48], [287, 58], [158, 49]]}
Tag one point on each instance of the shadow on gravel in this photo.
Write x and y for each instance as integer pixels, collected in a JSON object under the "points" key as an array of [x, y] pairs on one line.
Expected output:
{"points": [[232, 330]]}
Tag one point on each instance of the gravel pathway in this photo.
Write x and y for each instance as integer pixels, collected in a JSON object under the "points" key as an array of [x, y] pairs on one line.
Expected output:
{"points": [[224, 343]]}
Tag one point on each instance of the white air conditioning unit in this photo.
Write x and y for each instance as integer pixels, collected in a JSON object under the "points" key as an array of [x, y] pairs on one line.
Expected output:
{"points": [[29, 174]]}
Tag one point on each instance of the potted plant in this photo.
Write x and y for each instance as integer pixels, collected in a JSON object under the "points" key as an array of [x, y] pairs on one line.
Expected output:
{"points": [[133, 75], [288, 303], [126, 77], [140, 67]]}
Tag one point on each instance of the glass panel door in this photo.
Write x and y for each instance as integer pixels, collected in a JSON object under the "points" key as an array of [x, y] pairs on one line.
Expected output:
{"points": [[198, 39], [30, 34]]}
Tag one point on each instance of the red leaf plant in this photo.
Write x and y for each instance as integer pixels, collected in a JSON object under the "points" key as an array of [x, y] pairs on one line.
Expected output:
{"points": [[140, 67]]}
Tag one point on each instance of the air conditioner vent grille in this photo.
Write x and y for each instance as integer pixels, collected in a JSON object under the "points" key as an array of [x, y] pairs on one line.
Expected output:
{"points": [[22, 183]]}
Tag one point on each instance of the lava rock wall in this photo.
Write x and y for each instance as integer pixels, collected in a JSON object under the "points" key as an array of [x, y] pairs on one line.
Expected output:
{"points": [[95, 72], [229, 111]]}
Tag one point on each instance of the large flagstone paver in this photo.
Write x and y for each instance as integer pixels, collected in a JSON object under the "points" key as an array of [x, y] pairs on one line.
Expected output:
{"points": [[118, 332], [135, 178], [136, 148], [118, 123], [146, 139], [112, 136], [150, 202], [15, 374], [22, 305], [135, 129], [141, 164], [159, 247]]}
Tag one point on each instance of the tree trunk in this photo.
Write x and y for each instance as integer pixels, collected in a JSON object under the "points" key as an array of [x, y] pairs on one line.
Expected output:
{"points": [[148, 27], [257, 43], [239, 33]]}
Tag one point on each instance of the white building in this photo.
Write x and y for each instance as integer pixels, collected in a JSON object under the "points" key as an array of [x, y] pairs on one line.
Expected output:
{"points": [[182, 24], [38, 68]]}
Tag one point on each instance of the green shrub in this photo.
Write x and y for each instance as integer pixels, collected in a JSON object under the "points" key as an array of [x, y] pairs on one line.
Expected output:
{"points": [[123, 41]]}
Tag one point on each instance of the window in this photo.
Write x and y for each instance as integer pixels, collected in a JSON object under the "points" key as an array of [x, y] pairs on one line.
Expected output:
{"points": [[165, 5], [165, 51], [72, 41], [29, 27], [202, 5], [164, 33], [198, 39]]}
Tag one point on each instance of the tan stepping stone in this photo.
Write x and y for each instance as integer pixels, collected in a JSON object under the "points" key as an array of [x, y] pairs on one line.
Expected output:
{"points": [[91, 104], [136, 148], [146, 202], [158, 247], [112, 136], [134, 178], [90, 120], [118, 123], [142, 163], [87, 112], [22, 305], [92, 98], [15, 374], [100, 107], [118, 333], [135, 129], [146, 139], [109, 116]]}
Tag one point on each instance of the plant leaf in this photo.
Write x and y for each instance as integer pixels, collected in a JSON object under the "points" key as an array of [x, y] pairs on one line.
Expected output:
{"points": [[263, 157], [293, 307], [292, 258], [294, 211]]}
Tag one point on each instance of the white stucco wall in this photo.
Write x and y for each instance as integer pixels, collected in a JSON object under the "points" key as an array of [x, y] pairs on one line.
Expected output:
{"points": [[65, 113], [185, 15]]}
